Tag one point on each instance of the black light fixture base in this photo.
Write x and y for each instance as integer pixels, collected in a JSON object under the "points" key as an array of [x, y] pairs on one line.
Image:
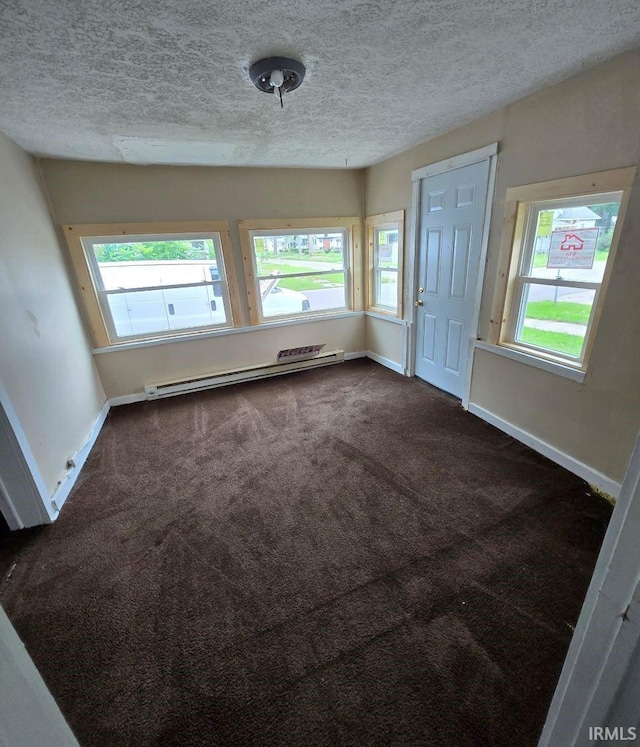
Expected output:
{"points": [[260, 73]]}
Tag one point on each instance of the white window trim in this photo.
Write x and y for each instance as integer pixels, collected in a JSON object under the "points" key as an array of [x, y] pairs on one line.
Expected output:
{"points": [[394, 221], [100, 323], [387, 318], [276, 324], [511, 326], [353, 268], [515, 220], [103, 294], [521, 356]]}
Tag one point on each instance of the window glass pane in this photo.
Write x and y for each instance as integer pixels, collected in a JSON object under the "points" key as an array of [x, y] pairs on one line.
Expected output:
{"points": [[573, 241], [153, 311], [555, 318], [295, 253], [184, 284], [387, 288], [386, 247], [138, 313], [153, 263], [284, 296]]}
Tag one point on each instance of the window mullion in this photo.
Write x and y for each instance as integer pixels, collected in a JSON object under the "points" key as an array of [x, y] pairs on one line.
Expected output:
{"points": [[146, 288], [563, 282], [301, 274]]}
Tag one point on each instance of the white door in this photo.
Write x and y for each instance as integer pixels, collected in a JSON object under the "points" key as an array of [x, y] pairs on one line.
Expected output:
{"points": [[452, 210]]}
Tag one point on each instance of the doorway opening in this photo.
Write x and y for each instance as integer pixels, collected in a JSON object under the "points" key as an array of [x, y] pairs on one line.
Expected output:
{"points": [[452, 208]]}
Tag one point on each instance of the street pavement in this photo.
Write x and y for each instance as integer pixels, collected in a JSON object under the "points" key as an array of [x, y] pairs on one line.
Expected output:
{"points": [[325, 298], [550, 326]]}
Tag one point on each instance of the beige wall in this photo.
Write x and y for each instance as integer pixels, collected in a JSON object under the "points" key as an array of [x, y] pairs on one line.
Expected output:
{"points": [[589, 123], [45, 361], [127, 371], [87, 192], [586, 124], [84, 192], [385, 338]]}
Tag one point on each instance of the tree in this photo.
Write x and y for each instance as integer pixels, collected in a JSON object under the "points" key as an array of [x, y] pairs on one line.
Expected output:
{"points": [[155, 250], [607, 212]]}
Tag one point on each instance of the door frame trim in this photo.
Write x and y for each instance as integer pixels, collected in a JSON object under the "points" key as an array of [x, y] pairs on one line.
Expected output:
{"points": [[488, 152], [605, 637], [457, 162], [24, 499]]}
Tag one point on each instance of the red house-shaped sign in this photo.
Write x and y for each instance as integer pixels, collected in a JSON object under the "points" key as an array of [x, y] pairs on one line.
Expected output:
{"points": [[573, 248], [572, 243]]}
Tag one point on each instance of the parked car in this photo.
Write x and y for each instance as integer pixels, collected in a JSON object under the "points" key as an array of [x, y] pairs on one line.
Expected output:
{"points": [[167, 309], [279, 301]]}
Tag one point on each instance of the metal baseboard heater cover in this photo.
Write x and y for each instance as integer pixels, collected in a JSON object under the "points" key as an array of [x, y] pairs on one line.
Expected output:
{"points": [[263, 371]]}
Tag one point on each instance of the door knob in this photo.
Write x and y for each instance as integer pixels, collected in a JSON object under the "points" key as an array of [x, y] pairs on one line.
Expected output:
{"points": [[419, 302]]}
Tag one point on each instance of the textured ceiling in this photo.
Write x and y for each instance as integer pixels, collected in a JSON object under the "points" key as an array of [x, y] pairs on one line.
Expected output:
{"points": [[167, 82]]}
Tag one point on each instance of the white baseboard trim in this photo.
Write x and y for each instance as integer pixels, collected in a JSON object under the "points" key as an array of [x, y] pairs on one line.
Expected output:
{"points": [[61, 493], [128, 399], [592, 476], [397, 367]]}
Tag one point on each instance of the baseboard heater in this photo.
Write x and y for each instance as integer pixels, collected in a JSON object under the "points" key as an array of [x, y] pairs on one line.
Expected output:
{"points": [[263, 371]]}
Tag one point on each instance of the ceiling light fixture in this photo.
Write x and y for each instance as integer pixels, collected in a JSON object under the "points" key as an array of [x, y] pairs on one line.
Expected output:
{"points": [[277, 75]]}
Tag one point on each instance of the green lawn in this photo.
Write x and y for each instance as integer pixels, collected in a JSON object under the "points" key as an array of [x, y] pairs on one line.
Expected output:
{"points": [[307, 283], [313, 283], [267, 266], [559, 341], [561, 311]]}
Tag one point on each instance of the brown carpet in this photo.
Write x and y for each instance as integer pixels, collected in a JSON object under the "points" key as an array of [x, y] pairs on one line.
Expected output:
{"points": [[342, 556]]}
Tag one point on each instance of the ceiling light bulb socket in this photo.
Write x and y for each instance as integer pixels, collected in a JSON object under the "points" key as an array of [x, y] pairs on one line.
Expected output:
{"points": [[292, 72], [276, 79]]}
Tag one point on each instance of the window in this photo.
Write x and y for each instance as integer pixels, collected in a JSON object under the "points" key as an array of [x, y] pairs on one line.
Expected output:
{"points": [[562, 251], [384, 262], [298, 268], [139, 282]]}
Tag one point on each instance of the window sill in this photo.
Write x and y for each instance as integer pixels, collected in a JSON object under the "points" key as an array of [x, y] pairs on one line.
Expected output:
{"points": [[386, 317], [135, 344], [559, 369]]}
